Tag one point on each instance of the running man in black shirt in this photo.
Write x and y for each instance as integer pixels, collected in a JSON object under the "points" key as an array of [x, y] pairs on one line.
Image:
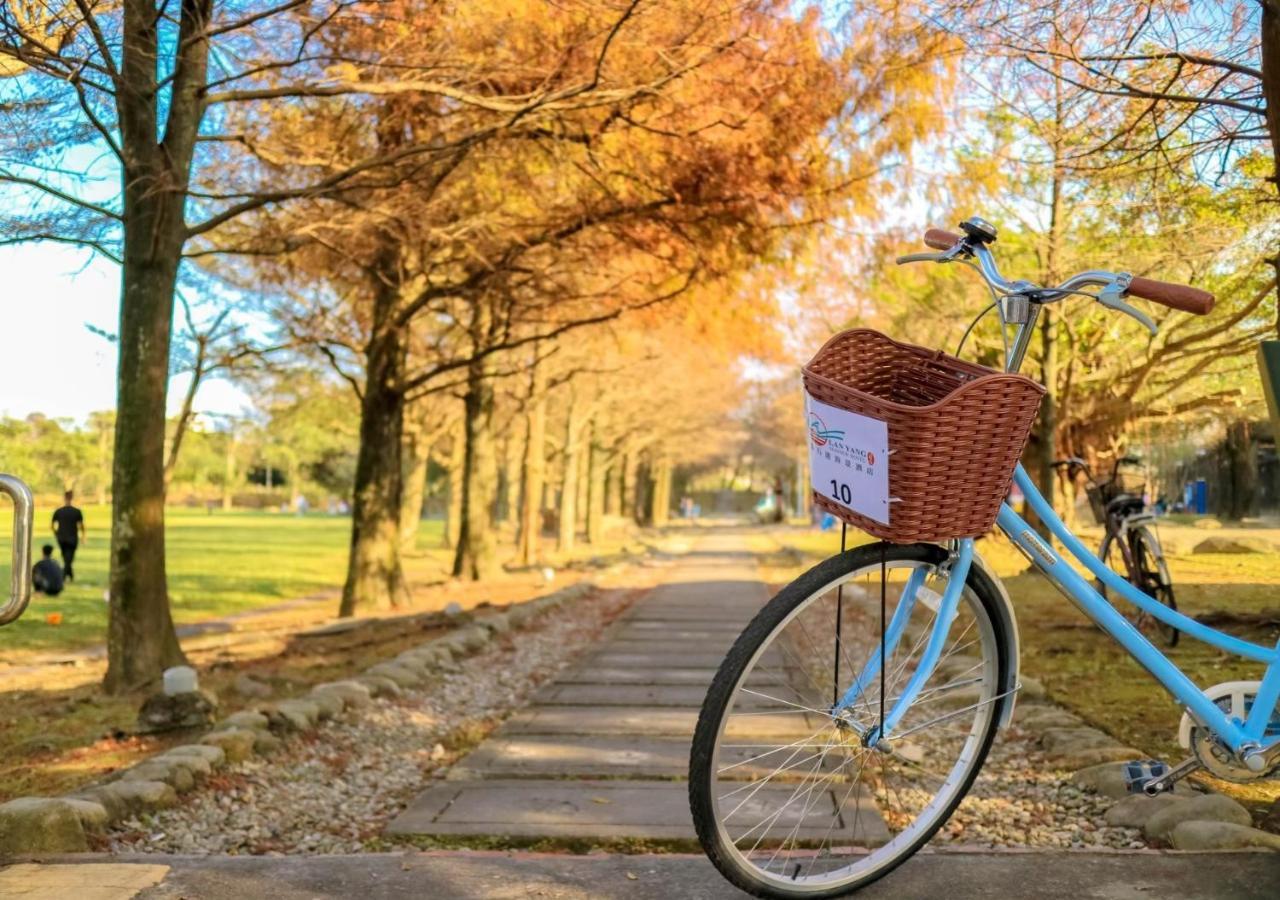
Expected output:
{"points": [[68, 527]]}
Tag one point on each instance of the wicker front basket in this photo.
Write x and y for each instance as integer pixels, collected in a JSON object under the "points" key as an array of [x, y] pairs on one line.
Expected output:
{"points": [[956, 431]]}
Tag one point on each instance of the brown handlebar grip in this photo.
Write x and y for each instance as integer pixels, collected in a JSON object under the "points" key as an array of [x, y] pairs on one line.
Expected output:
{"points": [[1175, 296], [939, 239]]}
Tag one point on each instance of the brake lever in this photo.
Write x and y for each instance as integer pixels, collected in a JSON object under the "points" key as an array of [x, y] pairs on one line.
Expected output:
{"points": [[959, 250], [920, 257], [1112, 297]]}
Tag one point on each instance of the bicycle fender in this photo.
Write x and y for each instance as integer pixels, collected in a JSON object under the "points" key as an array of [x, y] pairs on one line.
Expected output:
{"points": [[1009, 626]]}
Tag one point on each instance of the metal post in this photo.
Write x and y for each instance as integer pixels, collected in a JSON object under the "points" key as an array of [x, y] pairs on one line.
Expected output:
{"points": [[20, 577]]}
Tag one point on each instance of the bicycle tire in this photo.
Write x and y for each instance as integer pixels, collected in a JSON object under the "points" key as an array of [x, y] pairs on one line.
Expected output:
{"points": [[1156, 580]]}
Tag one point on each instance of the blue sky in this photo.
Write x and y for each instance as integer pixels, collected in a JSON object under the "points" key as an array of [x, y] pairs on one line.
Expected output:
{"points": [[50, 362]]}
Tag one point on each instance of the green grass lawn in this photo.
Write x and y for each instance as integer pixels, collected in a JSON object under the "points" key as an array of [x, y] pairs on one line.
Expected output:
{"points": [[218, 564]]}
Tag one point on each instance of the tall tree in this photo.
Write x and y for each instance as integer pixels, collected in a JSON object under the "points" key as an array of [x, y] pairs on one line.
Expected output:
{"points": [[598, 182], [127, 91], [1173, 82]]}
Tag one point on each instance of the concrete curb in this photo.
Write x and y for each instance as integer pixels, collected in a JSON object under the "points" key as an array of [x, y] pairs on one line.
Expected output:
{"points": [[39, 825]]}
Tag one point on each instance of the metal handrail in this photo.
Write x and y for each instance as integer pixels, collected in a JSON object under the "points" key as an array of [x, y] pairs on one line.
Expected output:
{"points": [[23, 520]]}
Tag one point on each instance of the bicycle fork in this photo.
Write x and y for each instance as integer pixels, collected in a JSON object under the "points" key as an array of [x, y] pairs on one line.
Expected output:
{"points": [[877, 734]]}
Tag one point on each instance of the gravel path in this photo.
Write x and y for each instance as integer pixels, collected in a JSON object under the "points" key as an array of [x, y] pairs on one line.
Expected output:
{"points": [[335, 789], [1021, 800]]}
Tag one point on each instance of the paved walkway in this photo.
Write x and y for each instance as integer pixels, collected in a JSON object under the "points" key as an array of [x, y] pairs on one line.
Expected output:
{"points": [[516, 876], [604, 750]]}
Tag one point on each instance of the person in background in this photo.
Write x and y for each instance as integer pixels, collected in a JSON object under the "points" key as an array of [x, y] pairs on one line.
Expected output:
{"points": [[68, 528], [46, 575]]}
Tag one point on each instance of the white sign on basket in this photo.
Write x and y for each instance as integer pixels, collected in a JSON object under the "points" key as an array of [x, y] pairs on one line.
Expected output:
{"points": [[849, 458]]}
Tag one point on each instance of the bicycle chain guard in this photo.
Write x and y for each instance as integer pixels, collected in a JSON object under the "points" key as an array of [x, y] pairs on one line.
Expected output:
{"points": [[1235, 698]]}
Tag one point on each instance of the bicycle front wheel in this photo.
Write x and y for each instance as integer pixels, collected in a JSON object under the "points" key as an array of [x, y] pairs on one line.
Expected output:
{"points": [[786, 799]]}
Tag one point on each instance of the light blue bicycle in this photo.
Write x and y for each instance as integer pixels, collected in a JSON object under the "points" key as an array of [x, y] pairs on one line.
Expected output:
{"points": [[853, 714]]}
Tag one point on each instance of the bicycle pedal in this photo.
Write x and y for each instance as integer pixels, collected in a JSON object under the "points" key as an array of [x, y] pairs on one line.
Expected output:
{"points": [[1142, 772]]}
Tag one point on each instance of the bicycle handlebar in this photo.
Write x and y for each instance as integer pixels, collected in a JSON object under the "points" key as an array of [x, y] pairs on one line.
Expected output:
{"points": [[940, 239], [1182, 297], [1175, 296]]}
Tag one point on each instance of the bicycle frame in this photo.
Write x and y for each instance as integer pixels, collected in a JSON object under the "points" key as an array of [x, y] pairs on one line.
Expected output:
{"points": [[1238, 736], [1235, 735], [1242, 738]]}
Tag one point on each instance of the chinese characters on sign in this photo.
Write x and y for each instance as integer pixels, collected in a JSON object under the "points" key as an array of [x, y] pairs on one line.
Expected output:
{"points": [[849, 459]]}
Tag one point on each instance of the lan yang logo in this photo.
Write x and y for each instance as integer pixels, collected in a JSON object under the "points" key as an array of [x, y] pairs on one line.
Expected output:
{"points": [[819, 433]]}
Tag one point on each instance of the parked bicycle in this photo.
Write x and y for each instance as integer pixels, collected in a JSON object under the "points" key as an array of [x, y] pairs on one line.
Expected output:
{"points": [[853, 714], [1130, 542]]}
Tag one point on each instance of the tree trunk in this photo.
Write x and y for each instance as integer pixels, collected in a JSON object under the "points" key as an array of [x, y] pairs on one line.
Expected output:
{"points": [[803, 492], [595, 485], [186, 413], [512, 462], [141, 641], [229, 471], [630, 484], [661, 492], [104, 466], [1241, 482], [417, 450], [614, 488], [1046, 477], [1271, 92], [476, 555], [584, 478], [533, 471], [569, 483], [375, 579], [644, 493], [457, 467]]}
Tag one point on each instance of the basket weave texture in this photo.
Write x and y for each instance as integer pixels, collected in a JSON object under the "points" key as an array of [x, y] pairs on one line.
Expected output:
{"points": [[956, 431]]}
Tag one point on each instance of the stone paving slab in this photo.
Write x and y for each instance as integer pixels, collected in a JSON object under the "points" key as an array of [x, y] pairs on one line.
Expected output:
{"points": [[592, 809], [626, 675], [594, 756], [96, 881], [654, 720], [672, 647], [586, 756], [691, 695], [507, 876], [661, 626], [501, 875], [687, 695], [719, 638], [742, 610], [641, 659], [736, 618], [696, 654]]}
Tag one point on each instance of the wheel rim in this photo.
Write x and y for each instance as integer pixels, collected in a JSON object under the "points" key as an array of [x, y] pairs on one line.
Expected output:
{"points": [[798, 803]]}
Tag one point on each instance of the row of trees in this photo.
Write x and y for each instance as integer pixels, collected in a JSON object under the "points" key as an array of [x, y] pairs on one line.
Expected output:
{"points": [[431, 200], [1107, 137], [494, 223]]}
